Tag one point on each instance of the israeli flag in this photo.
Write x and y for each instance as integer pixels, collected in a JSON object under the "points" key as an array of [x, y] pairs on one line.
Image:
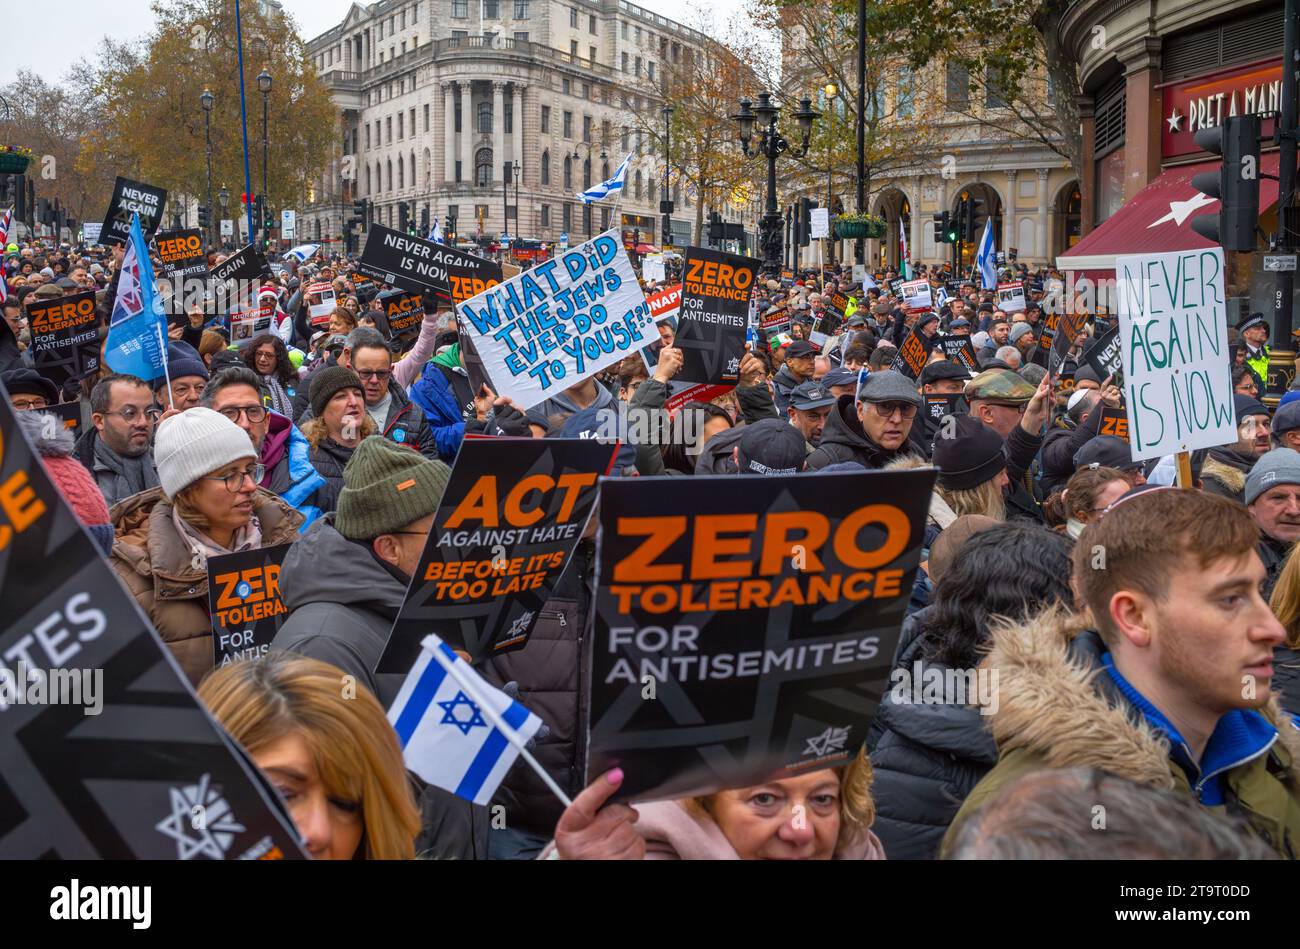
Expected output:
{"points": [[984, 259], [303, 252], [137, 331], [869, 283], [606, 188], [902, 249], [436, 233], [456, 730]]}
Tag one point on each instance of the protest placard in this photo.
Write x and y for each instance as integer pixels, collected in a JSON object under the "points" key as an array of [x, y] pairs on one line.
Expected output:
{"points": [[938, 405], [820, 225], [652, 268], [911, 356], [916, 296], [245, 602], [1057, 337], [90, 232], [249, 318], [665, 303], [760, 613], [1173, 328], [321, 303], [561, 322], [182, 254], [960, 350], [1114, 421], [105, 750], [837, 304], [1011, 297], [404, 312], [65, 342], [132, 197], [715, 306], [418, 265], [506, 527], [1105, 358], [248, 263]]}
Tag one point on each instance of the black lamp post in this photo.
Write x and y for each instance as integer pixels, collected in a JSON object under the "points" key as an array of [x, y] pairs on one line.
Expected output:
{"points": [[264, 87], [666, 202], [515, 170], [770, 145], [206, 101], [223, 198]]}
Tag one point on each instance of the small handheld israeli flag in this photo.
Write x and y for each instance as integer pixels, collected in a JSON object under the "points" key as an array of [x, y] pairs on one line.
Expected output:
{"points": [[435, 235], [456, 731], [985, 259]]}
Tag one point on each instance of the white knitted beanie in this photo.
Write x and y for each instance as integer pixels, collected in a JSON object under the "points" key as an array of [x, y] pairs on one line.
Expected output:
{"points": [[196, 443]]}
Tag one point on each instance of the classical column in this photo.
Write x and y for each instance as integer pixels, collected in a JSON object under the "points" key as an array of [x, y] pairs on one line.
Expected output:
{"points": [[915, 244], [448, 133], [1042, 249], [466, 133], [1143, 111], [1009, 214], [517, 116], [498, 130]]}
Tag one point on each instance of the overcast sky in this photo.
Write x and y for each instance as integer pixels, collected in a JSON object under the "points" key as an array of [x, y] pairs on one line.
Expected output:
{"points": [[48, 48]]}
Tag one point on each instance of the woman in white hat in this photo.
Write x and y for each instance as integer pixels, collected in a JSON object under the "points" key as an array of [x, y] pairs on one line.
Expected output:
{"points": [[207, 504]]}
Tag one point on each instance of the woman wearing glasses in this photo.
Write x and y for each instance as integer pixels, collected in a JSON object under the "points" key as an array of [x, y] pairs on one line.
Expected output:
{"points": [[207, 504], [267, 356]]}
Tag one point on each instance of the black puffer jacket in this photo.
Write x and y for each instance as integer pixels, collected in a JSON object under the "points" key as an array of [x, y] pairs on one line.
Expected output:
{"points": [[843, 439], [329, 458], [548, 676], [927, 758]]}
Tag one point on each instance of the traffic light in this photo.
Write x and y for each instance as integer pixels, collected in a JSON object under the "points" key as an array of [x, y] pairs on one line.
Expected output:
{"points": [[205, 219], [715, 227], [1235, 183], [404, 216], [358, 213], [803, 222], [268, 217], [972, 217], [665, 228], [952, 226], [944, 232]]}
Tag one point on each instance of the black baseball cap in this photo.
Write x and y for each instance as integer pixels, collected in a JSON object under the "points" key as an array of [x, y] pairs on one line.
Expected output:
{"points": [[771, 447], [811, 395], [944, 369], [1106, 451], [800, 347]]}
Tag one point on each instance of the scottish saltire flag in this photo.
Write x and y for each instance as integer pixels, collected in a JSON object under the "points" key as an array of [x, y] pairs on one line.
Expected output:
{"points": [[986, 258], [303, 252], [436, 233], [137, 332], [453, 726], [902, 246], [5, 223], [606, 188]]}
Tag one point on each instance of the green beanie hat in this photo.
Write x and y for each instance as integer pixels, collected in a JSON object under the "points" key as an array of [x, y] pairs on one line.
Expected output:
{"points": [[385, 487]]}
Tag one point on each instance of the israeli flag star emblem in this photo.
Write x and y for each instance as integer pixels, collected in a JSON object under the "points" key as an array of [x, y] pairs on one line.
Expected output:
{"points": [[462, 713]]}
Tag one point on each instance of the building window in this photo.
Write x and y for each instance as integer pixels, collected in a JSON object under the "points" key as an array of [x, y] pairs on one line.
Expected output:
{"points": [[403, 47], [458, 171], [491, 9], [388, 125], [389, 165], [367, 136], [586, 128], [568, 217], [509, 117], [573, 49], [460, 9], [546, 167], [565, 86], [591, 50], [521, 9], [639, 189], [652, 188], [906, 93], [483, 167], [586, 90], [591, 24], [650, 69], [568, 124], [638, 66], [604, 219], [401, 173], [626, 134], [411, 126], [624, 62], [546, 215], [586, 173], [624, 26], [426, 118], [573, 18], [485, 117], [995, 88], [401, 123], [546, 119], [957, 87], [521, 38], [568, 172], [455, 108]]}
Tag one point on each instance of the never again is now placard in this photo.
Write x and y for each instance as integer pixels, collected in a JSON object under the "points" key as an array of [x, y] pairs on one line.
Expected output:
{"points": [[1173, 325]]}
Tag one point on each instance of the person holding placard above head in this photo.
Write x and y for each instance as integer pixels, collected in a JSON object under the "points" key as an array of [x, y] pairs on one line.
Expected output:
{"points": [[208, 503], [820, 815], [337, 764]]}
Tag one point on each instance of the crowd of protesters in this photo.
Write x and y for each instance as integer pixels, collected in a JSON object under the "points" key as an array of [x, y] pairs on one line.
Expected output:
{"points": [[1121, 685]]}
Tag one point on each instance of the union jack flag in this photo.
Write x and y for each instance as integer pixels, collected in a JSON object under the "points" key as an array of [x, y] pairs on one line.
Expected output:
{"points": [[5, 223]]}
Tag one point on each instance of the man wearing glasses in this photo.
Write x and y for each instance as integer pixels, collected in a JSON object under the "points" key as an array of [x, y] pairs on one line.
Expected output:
{"points": [[117, 450], [874, 432], [240, 395], [395, 416]]}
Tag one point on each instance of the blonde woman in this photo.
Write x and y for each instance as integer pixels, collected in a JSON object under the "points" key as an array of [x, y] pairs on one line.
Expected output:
{"points": [[972, 468], [1285, 603], [331, 754], [820, 815], [339, 423]]}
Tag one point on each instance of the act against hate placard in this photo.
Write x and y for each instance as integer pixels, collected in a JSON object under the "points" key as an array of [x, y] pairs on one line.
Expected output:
{"points": [[551, 327], [1174, 341]]}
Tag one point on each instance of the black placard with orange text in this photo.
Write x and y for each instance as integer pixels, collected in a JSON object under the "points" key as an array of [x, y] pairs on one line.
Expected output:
{"points": [[245, 602], [404, 311], [714, 315], [745, 625], [509, 520], [911, 356], [65, 342]]}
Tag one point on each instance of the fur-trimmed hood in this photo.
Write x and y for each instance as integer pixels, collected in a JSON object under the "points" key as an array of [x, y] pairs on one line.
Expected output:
{"points": [[1234, 479], [1052, 705]]}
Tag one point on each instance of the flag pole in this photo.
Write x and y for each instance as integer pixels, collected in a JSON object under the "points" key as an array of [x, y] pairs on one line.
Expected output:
{"points": [[167, 373], [508, 733], [243, 115]]}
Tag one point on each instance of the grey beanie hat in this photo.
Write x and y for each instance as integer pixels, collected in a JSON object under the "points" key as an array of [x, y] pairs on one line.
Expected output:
{"points": [[1018, 330], [1279, 466]]}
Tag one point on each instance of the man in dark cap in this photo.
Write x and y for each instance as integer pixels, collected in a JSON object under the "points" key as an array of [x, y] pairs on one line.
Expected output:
{"points": [[1109, 451], [874, 431], [28, 389], [1285, 428], [800, 362], [770, 447], [840, 382], [1253, 330], [959, 327], [1227, 466], [810, 404]]}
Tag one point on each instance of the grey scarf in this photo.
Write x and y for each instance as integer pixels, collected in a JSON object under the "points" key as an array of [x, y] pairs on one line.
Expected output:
{"points": [[130, 475]]}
